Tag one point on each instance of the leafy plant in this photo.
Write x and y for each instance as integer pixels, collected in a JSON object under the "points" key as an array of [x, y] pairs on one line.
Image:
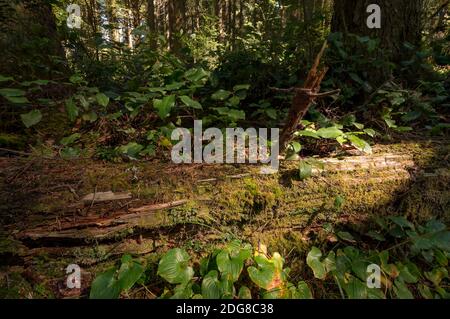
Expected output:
{"points": [[110, 284], [419, 269]]}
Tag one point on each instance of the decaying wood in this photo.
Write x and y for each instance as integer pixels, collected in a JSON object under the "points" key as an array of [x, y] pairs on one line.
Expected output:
{"points": [[152, 208], [303, 99], [99, 197], [96, 227], [381, 162]]}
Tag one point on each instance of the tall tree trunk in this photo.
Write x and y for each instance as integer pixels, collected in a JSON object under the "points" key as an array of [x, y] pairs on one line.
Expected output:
{"points": [[177, 9], [401, 21], [22, 23], [151, 23], [111, 12]]}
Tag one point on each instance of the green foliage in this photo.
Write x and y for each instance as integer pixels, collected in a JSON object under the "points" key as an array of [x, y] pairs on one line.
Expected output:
{"points": [[413, 260], [31, 118], [219, 276], [174, 268], [109, 285], [414, 267]]}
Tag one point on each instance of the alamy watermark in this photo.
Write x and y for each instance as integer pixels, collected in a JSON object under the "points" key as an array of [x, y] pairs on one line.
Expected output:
{"points": [[74, 18], [374, 279], [374, 19], [235, 142], [73, 280]]}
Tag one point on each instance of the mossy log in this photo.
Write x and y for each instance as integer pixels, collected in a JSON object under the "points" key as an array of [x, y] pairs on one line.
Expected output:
{"points": [[238, 199]]}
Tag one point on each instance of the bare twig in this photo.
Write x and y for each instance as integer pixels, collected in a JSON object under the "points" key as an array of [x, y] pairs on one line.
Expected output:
{"points": [[325, 94]]}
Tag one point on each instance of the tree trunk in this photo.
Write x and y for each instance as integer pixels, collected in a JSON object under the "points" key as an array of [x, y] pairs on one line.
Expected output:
{"points": [[21, 24], [401, 21], [112, 20], [151, 23], [177, 9]]}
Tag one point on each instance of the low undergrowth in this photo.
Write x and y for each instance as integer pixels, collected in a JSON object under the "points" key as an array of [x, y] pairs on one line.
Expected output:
{"points": [[398, 260]]}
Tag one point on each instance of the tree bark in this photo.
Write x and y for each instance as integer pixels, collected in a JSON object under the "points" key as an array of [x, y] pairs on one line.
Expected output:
{"points": [[401, 21], [22, 22], [151, 23], [177, 9]]}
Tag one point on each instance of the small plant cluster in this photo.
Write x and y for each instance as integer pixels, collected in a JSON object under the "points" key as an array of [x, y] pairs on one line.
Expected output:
{"points": [[220, 275], [415, 267]]}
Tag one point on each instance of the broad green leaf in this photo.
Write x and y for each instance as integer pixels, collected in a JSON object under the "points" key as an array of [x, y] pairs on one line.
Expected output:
{"points": [[132, 149], [330, 132], [196, 74], [295, 146], [346, 236], [268, 275], [102, 99], [31, 118], [308, 133], [105, 286], [221, 95], [230, 261], [330, 262], [360, 144], [401, 221], [234, 101], [402, 291], [190, 102], [231, 268], [406, 275], [71, 109], [313, 261], [129, 273], [174, 86], [164, 106], [355, 288], [370, 132], [241, 87], [174, 267], [435, 226], [70, 139], [305, 170], [211, 286], [442, 240]]}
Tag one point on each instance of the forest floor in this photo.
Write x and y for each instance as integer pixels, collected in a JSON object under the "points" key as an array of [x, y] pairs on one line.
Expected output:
{"points": [[52, 213]]}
